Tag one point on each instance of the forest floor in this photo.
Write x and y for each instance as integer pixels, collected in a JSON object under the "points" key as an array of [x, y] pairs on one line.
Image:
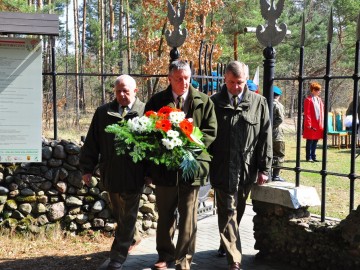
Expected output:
{"points": [[58, 251]]}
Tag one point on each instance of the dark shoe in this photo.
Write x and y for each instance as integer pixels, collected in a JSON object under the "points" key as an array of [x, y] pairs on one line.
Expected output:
{"points": [[278, 179], [133, 245], [316, 160], [234, 266], [161, 265], [114, 265], [221, 252]]}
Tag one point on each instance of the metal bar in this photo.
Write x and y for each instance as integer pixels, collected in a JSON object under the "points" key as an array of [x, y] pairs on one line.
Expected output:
{"points": [[326, 106], [205, 71], [300, 104], [210, 68], [199, 62], [105, 74], [217, 78], [314, 171], [312, 78], [53, 75], [356, 76], [299, 117], [269, 67]]}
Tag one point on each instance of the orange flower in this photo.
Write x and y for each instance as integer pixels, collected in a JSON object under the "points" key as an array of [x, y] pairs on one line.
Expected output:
{"points": [[150, 114], [163, 124], [165, 111], [186, 127]]}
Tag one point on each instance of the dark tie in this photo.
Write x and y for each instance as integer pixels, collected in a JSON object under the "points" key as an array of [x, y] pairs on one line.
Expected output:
{"points": [[235, 101], [180, 103], [124, 110]]}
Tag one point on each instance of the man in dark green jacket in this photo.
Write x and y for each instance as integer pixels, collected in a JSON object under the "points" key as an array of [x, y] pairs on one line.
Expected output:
{"points": [[121, 177], [242, 154], [173, 192]]}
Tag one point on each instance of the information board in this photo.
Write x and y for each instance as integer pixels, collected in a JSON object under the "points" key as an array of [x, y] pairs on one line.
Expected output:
{"points": [[20, 100]]}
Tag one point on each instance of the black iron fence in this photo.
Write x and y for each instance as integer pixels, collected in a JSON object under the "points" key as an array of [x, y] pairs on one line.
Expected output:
{"points": [[328, 77], [209, 80]]}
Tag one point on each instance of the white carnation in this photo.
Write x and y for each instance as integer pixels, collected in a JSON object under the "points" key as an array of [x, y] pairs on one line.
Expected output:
{"points": [[131, 123], [139, 124], [176, 117], [173, 133], [168, 144], [177, 142]]}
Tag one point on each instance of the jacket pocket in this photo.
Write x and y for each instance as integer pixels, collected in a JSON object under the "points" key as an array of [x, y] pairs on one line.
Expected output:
{"points": [[251, 119], [204, 166]]}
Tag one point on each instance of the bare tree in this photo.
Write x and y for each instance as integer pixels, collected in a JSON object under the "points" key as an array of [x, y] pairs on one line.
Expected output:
{"points": [[128, 36], [121, 35], [111, 21], [102, 48], [76, 33], [66, 53], [82, 90]]}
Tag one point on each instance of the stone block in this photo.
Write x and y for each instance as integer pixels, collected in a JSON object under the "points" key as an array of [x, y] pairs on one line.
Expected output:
{"points": [[286, 194]]}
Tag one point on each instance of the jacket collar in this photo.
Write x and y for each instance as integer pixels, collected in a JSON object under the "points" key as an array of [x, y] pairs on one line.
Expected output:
{"points": [[194, 98], [224, 101], [113, 109]]}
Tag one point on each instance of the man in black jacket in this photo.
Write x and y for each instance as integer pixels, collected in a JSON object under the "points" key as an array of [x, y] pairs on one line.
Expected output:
{"points": [[121, 177]]}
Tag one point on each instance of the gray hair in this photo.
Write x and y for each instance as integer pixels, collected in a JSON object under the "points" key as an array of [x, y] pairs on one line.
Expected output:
{"points": [[237, 68], [179, 65], [127, 78]]}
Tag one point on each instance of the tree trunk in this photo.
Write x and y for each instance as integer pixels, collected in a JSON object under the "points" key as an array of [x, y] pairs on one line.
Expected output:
{"points": [[236, 45], [82, 90], [66, 54], [128, 36], [39, 5], [202, 23], [102, 49], [76, 34], [121, 35], [111, 20], [159, 53]]}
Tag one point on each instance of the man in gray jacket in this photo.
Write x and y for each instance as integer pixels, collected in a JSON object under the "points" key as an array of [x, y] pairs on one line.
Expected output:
{"points": [[242, 154], [121, 177]]}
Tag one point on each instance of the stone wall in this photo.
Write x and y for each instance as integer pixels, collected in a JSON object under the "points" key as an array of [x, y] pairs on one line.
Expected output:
{"points": [[293, 236], [33, 195]]}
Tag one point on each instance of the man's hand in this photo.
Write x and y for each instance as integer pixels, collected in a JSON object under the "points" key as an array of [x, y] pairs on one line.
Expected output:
{"points": [[87, 178], [262, 178]]}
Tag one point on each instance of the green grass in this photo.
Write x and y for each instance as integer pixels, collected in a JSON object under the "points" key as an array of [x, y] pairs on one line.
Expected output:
{"points": [[337, 188]]}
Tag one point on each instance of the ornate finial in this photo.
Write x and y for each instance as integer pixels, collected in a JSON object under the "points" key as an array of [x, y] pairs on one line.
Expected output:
{"points": [[302, 37], [177, 37], [330, 26], [272, 34]]}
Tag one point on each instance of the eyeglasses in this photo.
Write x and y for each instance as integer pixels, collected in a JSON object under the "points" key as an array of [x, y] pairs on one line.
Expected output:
{"points": [[317, 90]]}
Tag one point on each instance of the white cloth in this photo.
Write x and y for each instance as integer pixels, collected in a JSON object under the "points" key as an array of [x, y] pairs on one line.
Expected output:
{"points": [[316, 107], [348, 121]]}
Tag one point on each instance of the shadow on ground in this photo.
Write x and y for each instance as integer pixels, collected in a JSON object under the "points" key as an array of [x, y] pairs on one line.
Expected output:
{"points": [[80, 262]]}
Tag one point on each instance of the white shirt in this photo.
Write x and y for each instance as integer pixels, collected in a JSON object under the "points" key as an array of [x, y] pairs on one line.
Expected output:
{"points": [[239, 98]]}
